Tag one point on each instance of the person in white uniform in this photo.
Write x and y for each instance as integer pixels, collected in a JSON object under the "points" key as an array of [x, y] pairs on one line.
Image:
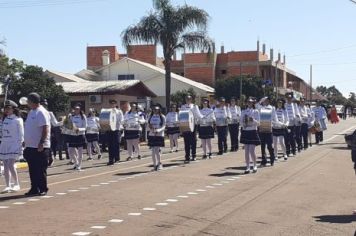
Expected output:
{"points": [[305, 115], [250, 120], [279, 129], [234, 124], [320, 120], [77, 138], [92, 134], [173, 131], [222, 118], [132, 125], [311, 122], [11, 145], [290, 134], [156, 125], [206, 129]]}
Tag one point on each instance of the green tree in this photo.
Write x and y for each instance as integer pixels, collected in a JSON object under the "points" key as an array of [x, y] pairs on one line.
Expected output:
{"points": [[322, 90], [33, 79], [179, 97], [174, 27]]}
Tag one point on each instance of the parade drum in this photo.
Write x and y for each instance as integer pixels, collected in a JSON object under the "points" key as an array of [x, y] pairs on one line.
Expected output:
{"points": [[323, 124], [186, 121], [107, 120], [221, 121], [265, 121]]}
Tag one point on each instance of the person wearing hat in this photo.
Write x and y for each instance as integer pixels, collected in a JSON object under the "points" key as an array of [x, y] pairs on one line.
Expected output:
{"points": [[311, 123], [320, 117], [298, 125], [222, 116], [92, 134], [305, 115], [234, 125], [173, 128], [206, 128], [113, 136], [265, 134], [156, 126], [250, 120], [292, 116], [132, 125], [279, 129], [37, 144], [11, 145], [190, 138]]}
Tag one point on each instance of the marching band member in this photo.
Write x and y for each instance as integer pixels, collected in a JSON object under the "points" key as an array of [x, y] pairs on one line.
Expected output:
{"points": [[320, 116], [297, 125], [132, 125], [279, 129], [250, 120], [305, 115], [206, 128], [290, 135], [234, 125], [222, 117], [311, 121], [156, 125], [11, 145], [266, 135], [113, 136], [190, 138], [173, 128], [92, 134], [77, 138]]}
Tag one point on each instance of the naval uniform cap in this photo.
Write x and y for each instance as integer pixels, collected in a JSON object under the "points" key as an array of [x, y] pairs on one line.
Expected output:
{"points": [[10, 103]]}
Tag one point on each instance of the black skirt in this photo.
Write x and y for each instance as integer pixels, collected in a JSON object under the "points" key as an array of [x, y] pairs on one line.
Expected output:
{"points": [[76, 141], [206, 132], [132, 134], [250, 137], [173, 130], [92, 137], [155, 141], [278, 132]]}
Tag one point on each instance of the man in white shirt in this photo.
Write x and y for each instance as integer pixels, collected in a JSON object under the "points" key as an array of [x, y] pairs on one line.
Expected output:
{"points": [[37, 145], [290, 135], [113, 136], [222, 117], [234, 125], [320, 117]]}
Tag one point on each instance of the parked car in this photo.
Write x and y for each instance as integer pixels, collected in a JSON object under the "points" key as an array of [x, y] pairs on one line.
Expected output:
{"points": [[350, 139], [339, 110]]}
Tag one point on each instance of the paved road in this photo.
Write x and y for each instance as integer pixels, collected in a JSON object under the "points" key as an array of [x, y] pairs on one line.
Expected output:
{"points": [[311, 194]]}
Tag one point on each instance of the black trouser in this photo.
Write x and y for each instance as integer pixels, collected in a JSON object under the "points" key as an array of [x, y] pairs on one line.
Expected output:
{"points": [[266, 139], [319, 137], [190, 144], [353, 157], [298, 138], [234, 136], [37, 167], [290, 139], [222, 136], [113, 141], [304, 134]]}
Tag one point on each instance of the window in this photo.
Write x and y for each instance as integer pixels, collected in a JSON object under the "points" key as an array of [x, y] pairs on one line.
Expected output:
{"points": [[223, 72], [126, 77]]}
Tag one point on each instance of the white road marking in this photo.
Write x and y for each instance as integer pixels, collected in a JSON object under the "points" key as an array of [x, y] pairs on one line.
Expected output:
{"points": [[95, 185], [217, 184], [192, 193], [25, 181], [171, 200], [73, 190], [183, 196], [115, 221], [19, 203], [4, 207], [225, 182], [47, 196], [130, 177], [33, 199], [61, 193], [209, 186], [113, 181], [162, 204], [135, 214], [104, 183], [230, 179], [200, 190], [236, 177], [98, 227], [149, 209], [83, 188], [81, 233]]}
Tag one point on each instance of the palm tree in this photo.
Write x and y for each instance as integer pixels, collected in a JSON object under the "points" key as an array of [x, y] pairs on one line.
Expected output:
{"points": [[174, 27]]}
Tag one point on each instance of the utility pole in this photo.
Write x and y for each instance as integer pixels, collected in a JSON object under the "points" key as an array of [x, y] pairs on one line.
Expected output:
{"points": [[311, 84], [240, 81], [276, 79]]}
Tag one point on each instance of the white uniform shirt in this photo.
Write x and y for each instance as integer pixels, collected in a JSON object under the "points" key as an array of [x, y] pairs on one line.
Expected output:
{"points": [[250, 113], [172, 119], [133, 121], [235, 113], [79, 122], [319, 112], [157, 125], [282, 119], [311, 119], [208, 117], [93, 125], [53, 119], [221, 116], [291, 112], [36, 119], [305, 114], [13, 130], [0, 129], [195, 110], [119, 119]]}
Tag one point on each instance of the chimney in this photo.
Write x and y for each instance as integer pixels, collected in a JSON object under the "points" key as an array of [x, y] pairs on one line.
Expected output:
{"points": [[271, 54], [264, 49], [222, 49], [284, 59], [279, 57], [258, 45], [213, 47], [106, 57]]}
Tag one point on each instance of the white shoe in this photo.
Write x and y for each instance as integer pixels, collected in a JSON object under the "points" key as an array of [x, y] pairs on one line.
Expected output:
{"points": [[79, 168], [285, 157], [6, 190], [160, 167], [16, 188], [254, 169], [276, 159], [171, 151]]}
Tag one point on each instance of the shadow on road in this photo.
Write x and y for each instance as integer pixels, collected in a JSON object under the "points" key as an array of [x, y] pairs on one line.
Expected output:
{"points": [[336, 219], [236, 168], [14, 197], [132, 173], [225, 174], [341, 148]]}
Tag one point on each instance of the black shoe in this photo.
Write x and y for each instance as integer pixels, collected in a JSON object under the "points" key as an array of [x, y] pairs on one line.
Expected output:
{"points": [[44, 193], [139, 157], [205, 157], [31, 193], [232, 150], [110, 163], [220, 153], [176, 150], [99, 157], [194, 159], [89, 158], [186, 161], [210, 154], [129, 159], [225, 150]]}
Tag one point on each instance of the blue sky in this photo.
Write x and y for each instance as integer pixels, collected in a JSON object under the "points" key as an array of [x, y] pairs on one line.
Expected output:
{"points": [[318, 32]]}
